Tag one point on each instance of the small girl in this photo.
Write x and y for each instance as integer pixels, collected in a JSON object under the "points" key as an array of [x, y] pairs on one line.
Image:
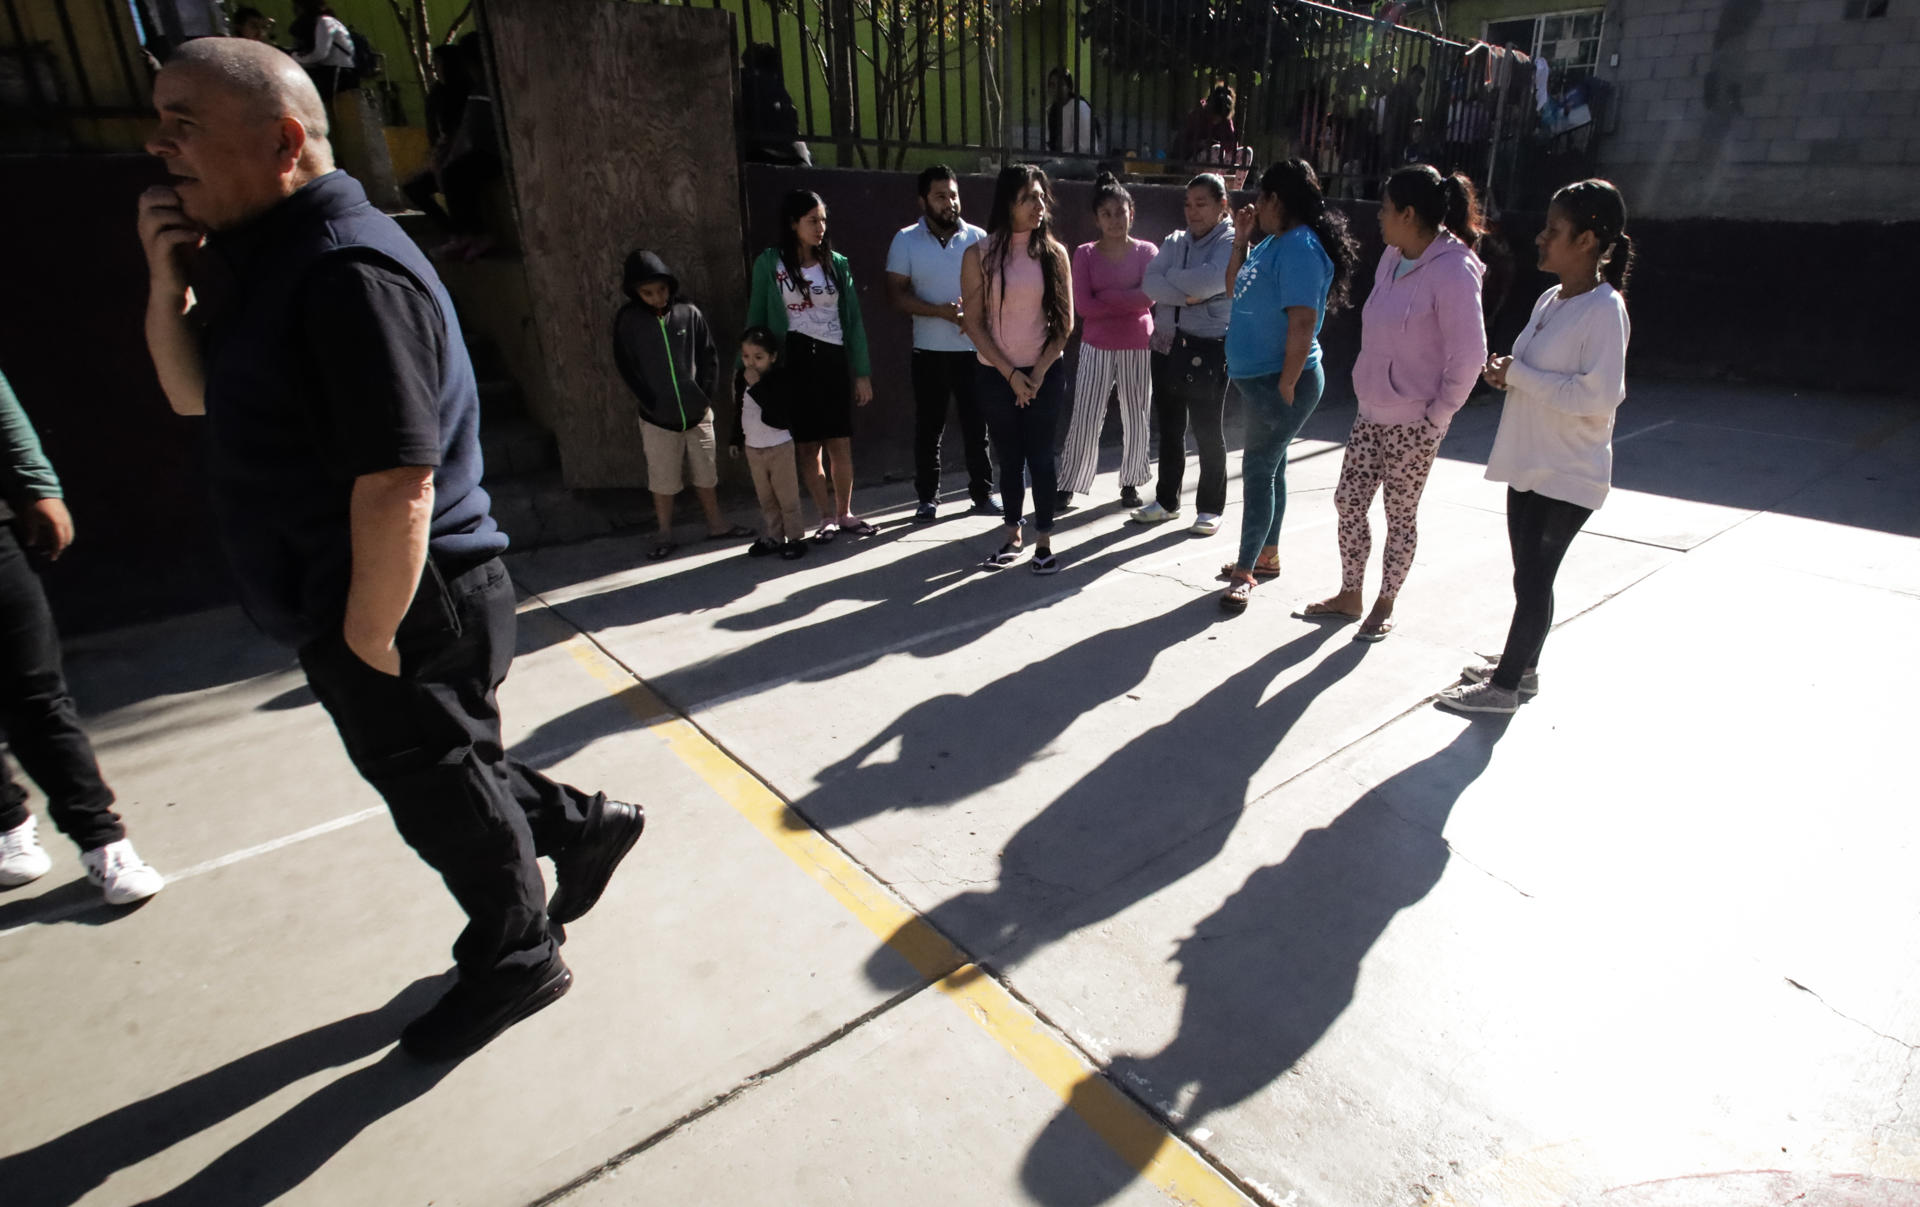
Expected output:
{"points": [[762, 390]]}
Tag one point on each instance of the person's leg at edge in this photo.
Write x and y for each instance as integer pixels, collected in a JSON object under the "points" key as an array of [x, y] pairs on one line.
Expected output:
{"points": [[816, 479], [1136, 395], [1208, 405], [1039, 421], [840, 458], [785, 476], [929, 422], [996, 400], [1360, 472], [1258, 466], [1093, 381], [961, 373], [760, 469], [703, 470], [1288, 418], [1170, 406], [38, 714], [1407, 467], [1541, 529]]}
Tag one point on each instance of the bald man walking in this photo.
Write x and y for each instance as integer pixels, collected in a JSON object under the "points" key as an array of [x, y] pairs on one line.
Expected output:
{"points": [[344, 461]]}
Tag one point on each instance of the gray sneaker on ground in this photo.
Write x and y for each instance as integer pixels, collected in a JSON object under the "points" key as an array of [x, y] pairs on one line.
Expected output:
{"points": [[1483, 673]]}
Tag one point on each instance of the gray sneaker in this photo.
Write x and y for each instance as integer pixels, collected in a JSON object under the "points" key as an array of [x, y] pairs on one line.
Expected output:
{"points": [[1480, 697], [1483, 673]]}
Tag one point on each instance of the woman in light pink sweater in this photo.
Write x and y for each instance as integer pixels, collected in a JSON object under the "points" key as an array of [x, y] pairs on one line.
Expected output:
{"points": [[1422, 343], [1118, 324]]}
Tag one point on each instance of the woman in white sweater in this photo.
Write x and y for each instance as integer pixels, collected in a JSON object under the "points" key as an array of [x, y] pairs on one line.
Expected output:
{"points": [[1554, 450]]}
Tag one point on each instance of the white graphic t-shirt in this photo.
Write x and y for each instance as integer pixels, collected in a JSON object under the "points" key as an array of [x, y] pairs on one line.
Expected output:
{"points": [[821, 319]]}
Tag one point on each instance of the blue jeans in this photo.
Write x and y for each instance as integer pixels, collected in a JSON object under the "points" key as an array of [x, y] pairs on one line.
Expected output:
{"points": [[1272, 424]]}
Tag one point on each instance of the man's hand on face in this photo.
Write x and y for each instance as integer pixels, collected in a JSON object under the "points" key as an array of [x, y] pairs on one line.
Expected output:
{"points": [[170, 238]]}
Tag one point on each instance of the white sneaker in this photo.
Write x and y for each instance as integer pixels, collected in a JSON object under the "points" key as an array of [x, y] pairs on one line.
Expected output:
{"points": [[22, 859], [1480, 697], [1205, 524], [1153, 513], [1483, 673], [121, 874]]}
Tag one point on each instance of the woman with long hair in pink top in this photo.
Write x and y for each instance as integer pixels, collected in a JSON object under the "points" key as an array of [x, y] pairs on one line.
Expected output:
{"points": [[1017, 299], [1117, 321]]}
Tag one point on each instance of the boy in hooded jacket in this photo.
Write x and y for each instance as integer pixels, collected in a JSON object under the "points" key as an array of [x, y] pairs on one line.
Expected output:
{"points": [[664, 351]]}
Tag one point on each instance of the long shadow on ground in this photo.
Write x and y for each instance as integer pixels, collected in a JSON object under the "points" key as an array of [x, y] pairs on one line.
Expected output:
{"points": [[1271, 970], [267, 1164], [1159, 808]]}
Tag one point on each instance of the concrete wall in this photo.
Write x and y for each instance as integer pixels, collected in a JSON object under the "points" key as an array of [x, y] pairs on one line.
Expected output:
{"points": [[1782, 109]]}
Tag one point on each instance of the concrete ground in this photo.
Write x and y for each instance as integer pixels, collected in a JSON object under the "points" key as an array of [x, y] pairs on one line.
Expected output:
{"points": [[985, 888]]}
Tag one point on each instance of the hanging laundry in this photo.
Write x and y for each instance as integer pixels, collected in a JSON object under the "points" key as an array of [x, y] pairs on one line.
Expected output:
{"points": [[1540, 73]]}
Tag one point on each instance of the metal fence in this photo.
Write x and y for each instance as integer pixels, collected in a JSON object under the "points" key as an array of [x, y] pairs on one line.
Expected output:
{"points": [[1081, 82], [68, 62]]}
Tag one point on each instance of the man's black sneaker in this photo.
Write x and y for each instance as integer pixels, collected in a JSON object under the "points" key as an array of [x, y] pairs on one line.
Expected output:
{"points": [[990, 505], [468, 1016], [583, 869], [925, 513]]}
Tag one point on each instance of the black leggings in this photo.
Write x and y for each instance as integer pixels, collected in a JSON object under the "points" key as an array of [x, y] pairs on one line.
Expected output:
{"points": [[1540, 529]]}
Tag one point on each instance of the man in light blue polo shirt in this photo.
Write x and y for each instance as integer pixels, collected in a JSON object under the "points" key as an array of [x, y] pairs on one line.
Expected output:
{"points": [[923, 280]]}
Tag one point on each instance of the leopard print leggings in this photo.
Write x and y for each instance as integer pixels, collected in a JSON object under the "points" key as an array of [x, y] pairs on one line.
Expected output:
{"points": [[1398, 456]]}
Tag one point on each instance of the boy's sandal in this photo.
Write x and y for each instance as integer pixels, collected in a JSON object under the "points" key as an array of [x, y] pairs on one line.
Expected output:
{"points": [[825, 535], [1009, 554], [1236, 596], [859, 527], [738, 532], [662, 551]]}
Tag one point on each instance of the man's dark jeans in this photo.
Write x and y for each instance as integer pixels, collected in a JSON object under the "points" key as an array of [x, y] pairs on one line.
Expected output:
{"points": [[1191, 384], [38, 715], [429, 742], [938, 376]]}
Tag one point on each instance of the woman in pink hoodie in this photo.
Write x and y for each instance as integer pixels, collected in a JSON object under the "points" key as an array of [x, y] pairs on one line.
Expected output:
{"points": [[1422, 342]]}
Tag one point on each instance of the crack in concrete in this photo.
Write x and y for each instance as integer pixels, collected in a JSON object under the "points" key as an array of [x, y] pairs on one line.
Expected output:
{"points": [[1911, 1048], [1172, 578]]}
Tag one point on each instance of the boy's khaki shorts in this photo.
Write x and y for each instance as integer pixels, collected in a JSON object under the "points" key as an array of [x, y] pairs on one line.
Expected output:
{"points": [[668, 452]]}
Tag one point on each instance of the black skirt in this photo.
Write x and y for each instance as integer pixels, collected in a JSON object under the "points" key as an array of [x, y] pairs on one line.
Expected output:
{"points": [[822, 392]]}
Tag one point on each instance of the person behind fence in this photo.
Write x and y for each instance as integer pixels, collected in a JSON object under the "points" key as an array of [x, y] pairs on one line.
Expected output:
{"points": [[803, 292], [1422, 345], [252, 24], [37, 712], [664, 351], [763, 393], [1283, 287], [1210, 129], [923, 280], [323, 46], [1118, 324], [343, 460], [772, 123], [1071, 127], [465, 153], [1187, 281], [1566, 378], [1018, 290]]}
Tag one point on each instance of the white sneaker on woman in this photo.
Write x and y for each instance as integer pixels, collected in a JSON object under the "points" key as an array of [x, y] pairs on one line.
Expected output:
{"points": [[120, 874], [22, 859], [1482, 672]]}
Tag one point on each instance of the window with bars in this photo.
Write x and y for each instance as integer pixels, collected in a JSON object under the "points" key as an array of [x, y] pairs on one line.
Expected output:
{"points": [[1570, 41]]}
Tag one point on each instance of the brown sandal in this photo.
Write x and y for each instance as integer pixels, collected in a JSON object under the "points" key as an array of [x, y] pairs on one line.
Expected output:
{"points": [[1238, 595]]}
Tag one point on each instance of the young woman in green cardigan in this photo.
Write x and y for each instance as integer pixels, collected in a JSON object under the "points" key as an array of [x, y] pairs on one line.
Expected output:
{"points": [[803, 292]]}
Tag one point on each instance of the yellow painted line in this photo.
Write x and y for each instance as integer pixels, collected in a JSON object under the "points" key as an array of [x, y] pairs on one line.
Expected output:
{"points": [[1140, 1140]]}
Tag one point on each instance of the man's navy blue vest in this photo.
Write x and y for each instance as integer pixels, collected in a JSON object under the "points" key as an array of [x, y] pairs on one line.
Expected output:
{"points": [[283, 514]]}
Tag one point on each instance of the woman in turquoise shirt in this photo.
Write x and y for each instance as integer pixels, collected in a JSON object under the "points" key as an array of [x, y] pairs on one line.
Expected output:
{"points": [[1283, 286]]}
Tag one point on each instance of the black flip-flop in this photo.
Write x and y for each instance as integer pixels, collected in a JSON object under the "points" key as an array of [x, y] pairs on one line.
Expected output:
{"points": [[1009, 554], [662, 551], [861, 528]]}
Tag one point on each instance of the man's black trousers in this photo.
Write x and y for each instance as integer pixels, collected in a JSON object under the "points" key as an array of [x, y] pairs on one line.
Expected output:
{"points": [[429, 742], [938, 377]]}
